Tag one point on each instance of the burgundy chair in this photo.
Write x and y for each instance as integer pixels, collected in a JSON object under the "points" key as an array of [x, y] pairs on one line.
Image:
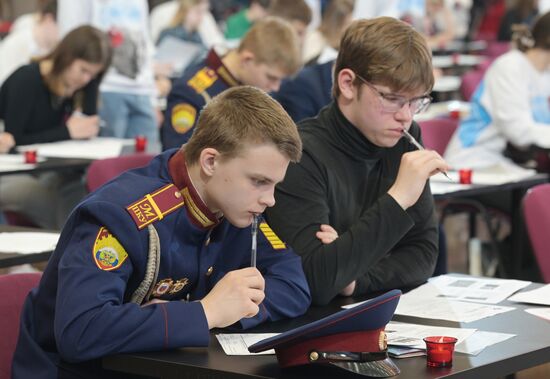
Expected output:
{"points": [[470, 81], [437, 132], [18, 219], [497, 48], [536, 211], [14, 288], [103, 170]]}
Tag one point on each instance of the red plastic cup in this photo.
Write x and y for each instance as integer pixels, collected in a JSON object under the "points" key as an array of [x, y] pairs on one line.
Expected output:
{"points": [[141, 143], [439, 351], [30, 156], [465, 176], [454, 114]]}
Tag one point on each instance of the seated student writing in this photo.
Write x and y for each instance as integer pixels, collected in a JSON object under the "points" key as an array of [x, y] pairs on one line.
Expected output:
{"points": [[359, 181], [53, 99], [510, 105], [269, 52], [159, 256]]}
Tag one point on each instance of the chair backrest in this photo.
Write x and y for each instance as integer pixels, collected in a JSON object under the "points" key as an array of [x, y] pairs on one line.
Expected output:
{"points": [[437, 132], [536, 211], [103, 170], [14, 288], [497, 48], [470, 81]]}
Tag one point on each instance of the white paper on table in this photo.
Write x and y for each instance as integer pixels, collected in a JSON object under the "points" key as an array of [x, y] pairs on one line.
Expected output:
{"points": [[443, 309], [12, 162], [440, 187], [540, 295], [447, 84], [27, 242], [237, 344], [480, 340], [500, 173], [411, 335], [539, 312], [444, 108], [95, 148], [445, 61], [479, 290]]}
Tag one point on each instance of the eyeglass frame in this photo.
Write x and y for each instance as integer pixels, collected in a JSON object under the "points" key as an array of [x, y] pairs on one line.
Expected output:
{"points": [[402, 100]]}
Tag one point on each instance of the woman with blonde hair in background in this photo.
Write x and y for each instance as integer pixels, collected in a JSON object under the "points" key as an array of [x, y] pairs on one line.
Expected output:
{"points": [[185, 23]]}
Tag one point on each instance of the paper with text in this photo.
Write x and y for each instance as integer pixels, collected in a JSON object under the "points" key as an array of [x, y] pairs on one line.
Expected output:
{"points": [[237, 344], [27, 242]]}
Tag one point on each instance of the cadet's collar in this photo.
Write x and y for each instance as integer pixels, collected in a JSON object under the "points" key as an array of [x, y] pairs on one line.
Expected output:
{"points": [[214, 61], [347, 135], [196, 208]]}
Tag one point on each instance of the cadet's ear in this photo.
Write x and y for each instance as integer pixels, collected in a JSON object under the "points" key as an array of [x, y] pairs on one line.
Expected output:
{"points": [[246, 56], [345, 80], [208, 160]]}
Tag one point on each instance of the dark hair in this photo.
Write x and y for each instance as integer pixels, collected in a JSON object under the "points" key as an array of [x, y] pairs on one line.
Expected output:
{"points": [[538, 37], [49, 7], [86, 43]]}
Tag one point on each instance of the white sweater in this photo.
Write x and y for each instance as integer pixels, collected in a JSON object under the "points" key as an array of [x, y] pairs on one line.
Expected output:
{"points": [[132, 68], [512, 103]]}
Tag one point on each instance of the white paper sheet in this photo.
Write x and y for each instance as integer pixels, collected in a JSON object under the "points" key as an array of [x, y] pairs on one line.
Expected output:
{"points": [[540, 295], [447, 84], [494, 175], [27, 242], [237, 344], [96, 148], [440, 187], [540, 312], [13, 162], [446, 61], [443, 309], [444, 108], [405, 334], [479, 290], [480, 340]]}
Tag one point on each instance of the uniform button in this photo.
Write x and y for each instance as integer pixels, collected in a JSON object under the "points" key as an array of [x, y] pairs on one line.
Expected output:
{"points": [[209, 271], [177, 194]]}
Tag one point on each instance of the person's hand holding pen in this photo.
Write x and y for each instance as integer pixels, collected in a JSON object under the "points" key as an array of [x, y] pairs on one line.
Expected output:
{"points": [[81, 126], [415, 169]]}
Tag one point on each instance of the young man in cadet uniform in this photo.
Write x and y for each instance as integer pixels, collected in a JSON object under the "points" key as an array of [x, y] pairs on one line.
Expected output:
{"points": [[359, 180], [159, 256], [268, 53]]}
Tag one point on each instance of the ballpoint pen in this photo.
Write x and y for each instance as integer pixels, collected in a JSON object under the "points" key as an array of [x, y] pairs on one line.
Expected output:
{"points": [[253, 248], [413, 141]]}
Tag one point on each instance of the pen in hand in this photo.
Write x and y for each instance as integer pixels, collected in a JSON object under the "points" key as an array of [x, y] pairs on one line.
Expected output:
{"points": [[254, 230], [413, 141]]}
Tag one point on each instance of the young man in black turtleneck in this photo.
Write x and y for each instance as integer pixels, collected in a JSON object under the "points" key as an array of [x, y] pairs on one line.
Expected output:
{"points": [[358, 207]]}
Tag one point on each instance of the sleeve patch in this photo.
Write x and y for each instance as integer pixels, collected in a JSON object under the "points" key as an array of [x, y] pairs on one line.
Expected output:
{"points": [[271, 237], [202, 80], [183, 117], [108, 253]]}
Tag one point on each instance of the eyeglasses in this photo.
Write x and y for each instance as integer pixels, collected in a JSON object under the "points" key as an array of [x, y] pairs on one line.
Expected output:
{"points": [[392, 103]]}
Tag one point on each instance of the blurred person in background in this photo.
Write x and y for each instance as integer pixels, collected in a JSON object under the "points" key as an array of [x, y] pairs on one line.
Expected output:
{"points": [[59, 102]]}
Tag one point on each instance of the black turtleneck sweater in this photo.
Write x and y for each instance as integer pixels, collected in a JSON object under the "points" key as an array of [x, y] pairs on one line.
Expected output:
{"points": [[342, 180]]}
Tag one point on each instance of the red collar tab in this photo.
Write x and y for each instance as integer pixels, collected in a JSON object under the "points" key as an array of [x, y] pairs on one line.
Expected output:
{"points": [[197, 210]]}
